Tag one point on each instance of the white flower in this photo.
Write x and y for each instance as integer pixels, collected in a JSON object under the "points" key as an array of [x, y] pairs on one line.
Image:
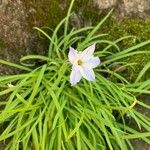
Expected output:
{"points": [[82, 64]]}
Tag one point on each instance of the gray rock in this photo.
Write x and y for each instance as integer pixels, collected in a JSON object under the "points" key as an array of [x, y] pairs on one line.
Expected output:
{"points": [[16, 30], [138, 8], [16, 34], [104, 4]]}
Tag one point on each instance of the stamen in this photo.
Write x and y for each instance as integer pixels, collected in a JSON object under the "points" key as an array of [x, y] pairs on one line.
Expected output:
{"points": [[79, 62]]}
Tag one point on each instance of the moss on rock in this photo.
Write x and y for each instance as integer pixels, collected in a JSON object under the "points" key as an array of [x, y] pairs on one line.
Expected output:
{"points": [[2, 44], [140, 30]]}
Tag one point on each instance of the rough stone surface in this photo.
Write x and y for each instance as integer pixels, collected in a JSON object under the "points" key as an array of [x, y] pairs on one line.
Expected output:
{"points": [[18, 17], [131, 8], [104, 4], [139, 144], [16, 34], [13, 24]]}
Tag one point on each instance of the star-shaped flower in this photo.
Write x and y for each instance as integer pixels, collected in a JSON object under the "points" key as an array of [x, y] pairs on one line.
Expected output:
{"points": [[82, 64]]}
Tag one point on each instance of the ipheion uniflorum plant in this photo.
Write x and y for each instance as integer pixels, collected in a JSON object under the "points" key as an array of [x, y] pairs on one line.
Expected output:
{"points": [[41, 110]]}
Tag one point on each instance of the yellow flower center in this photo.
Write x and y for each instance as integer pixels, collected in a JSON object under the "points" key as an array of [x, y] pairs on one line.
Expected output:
{"points": [[79, 62]]}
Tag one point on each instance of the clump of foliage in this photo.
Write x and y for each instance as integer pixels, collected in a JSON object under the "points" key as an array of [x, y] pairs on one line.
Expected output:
{"points": [[43, 111]]}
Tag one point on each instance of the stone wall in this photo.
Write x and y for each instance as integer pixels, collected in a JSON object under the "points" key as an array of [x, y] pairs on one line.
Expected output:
{"points": [[15, 29], [131, 8], [18, 17]]}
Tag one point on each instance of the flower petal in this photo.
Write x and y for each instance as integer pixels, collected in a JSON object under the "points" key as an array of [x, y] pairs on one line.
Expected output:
{"points": [[87, 73], [89, 51], [91, 62], [72, 55], [75, 76]]}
